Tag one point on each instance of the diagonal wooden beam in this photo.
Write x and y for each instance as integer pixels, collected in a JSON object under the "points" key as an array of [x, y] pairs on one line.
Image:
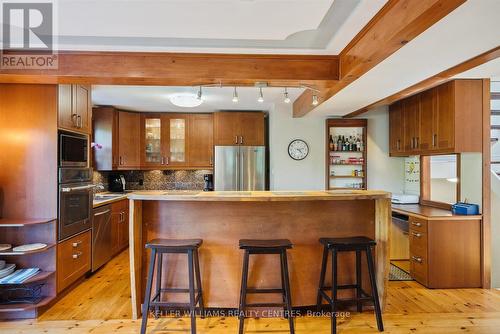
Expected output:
{"points": [[180, 69], [433, 81], [397, 23]]}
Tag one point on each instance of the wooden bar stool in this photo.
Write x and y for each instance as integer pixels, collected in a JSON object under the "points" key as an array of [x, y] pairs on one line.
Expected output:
{"points": [[172, 246], [278, 246], [358, 245]]}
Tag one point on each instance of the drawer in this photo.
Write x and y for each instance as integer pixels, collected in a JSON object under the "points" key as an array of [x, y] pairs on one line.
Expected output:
{"points": [[419, 267], [418, 225], [418, 242], [73, 259]]}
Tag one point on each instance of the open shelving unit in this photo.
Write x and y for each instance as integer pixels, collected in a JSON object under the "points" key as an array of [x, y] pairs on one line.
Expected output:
{"points": [[346, 165], [18, 232]]}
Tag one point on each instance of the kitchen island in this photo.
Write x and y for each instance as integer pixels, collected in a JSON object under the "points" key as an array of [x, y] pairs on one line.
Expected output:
{"points": [[222, 218]]}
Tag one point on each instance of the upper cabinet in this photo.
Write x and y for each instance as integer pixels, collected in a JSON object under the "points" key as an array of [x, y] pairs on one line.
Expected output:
{"points": [[201, 140], [74, 108], [239, 128], [445, 119]]}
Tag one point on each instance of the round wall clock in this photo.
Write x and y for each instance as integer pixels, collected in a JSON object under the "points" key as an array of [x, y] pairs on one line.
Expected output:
{"points": [[298, 149]]}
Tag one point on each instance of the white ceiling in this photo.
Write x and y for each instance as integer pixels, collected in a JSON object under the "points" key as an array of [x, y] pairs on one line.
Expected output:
{"points": [[244, 26], [470, 30], [156, 98]]}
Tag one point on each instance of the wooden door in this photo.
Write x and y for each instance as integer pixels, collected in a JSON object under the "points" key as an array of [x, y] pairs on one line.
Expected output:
{"points": [[226, 128], [123, 229], [396, 128], [66, 118], [129, 130], [201, 144], [251, 129], [152, 141], [82, 107], [175, 130], [428, 115], [411, 120], [445, 122]]}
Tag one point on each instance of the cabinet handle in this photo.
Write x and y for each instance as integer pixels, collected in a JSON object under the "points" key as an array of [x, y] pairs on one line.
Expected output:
{"points": [[417, 259], [417, 141], [434, 140], [416, 224], [241, 139], [167, 160], [236, 140], [120, 160], [76, 244], [79, 121], [73, 118], [398, 144], [77, 255], [211, 160], [418, 235], [162, 160]]}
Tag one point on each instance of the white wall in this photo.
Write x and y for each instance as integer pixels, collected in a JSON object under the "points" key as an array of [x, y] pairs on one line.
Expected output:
{"points": [[384, 173], [286, 173]]}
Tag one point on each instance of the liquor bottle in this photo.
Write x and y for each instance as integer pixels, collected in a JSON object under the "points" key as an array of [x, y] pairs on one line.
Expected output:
{"points": [[339, 143], [331, 143]]}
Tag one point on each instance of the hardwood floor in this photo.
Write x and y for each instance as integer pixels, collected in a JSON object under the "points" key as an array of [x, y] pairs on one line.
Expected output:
{"points": [[101, 304]]}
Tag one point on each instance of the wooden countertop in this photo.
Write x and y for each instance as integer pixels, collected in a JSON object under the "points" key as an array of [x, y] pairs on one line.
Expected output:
{"points": [[429, 213], [257, 195]]}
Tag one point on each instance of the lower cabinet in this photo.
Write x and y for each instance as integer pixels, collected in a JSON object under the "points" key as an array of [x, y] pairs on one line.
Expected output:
{"points": [[445, 253], [119, 226], [73, 259]]}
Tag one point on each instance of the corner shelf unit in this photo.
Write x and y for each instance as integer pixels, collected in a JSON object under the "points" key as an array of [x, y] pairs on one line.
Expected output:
{"points": [[346, 168], [26, 231]]}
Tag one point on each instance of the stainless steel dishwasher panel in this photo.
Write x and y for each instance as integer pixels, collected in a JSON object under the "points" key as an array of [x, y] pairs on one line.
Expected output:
{"points": [[101, 236]]}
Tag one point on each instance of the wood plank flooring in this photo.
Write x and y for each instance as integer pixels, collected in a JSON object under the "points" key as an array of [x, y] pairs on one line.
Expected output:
{"points": [[101, 304]]}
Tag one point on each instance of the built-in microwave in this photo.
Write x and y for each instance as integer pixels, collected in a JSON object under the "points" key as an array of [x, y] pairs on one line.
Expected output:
{"points": [[73, 149]]}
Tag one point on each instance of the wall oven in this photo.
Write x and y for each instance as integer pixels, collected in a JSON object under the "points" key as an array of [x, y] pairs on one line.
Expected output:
{"points": [[73, 150], [75, 201]]}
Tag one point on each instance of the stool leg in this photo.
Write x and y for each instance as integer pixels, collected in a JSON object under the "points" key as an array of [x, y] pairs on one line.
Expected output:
{"points": [[373, 282], [147, 296], [198, 283], [158, 282], [358, 281], [288, 297], [243, 292], [192, 306], [321, 284], [334, 291]]}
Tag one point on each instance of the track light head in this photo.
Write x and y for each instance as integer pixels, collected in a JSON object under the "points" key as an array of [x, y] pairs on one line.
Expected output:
{"points": [[287, 98], [200, 94], [261, 96], [235, 96], [315, 101]]}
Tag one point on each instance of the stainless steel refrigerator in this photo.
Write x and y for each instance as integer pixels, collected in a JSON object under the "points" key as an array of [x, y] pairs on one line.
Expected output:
{"points": [[240, 168]]}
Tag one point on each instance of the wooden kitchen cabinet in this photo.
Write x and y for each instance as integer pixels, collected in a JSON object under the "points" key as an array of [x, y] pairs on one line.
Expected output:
{"points": [[129, 131], [239, 128], [75, 108], [445, 253], [442, 120], [119, 226], [200, 142], [73, 259]]}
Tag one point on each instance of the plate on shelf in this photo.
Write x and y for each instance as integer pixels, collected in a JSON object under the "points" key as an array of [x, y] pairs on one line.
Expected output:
{"points": [[4, 247], [29, 247], [2, 264], [9, 269]]}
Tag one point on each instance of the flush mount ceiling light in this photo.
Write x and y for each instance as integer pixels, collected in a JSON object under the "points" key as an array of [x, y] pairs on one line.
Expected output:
{"points": [[286, 99], [186, 100], [261, 96], [235, 96]]}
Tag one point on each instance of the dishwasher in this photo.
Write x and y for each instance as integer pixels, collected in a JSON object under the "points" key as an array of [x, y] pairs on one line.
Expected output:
{"points": [[101, 236]]}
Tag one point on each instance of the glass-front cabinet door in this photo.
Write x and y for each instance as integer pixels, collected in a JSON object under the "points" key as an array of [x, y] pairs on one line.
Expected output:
{"points": [[177, 137], [153, 139]]}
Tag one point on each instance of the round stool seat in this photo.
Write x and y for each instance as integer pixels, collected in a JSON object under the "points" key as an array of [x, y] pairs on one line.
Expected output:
{"points": [[263, 243]]}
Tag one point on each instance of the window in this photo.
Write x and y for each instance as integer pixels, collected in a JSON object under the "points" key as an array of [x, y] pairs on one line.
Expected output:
{"points": [[440, 180]]}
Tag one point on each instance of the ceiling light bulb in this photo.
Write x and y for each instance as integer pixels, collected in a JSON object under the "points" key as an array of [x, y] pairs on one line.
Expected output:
{"points": [[287, 99], [261, 96], [200, 94], [315, 101], [235, 96]]}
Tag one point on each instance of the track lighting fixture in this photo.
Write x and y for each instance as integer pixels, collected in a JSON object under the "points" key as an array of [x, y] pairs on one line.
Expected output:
{"points": [[200, 94], [286, 99], [315, 101], [235, 96], [261, 96]]}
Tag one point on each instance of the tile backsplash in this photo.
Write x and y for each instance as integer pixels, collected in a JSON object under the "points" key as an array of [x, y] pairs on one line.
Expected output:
{"points": [[157, 179]]}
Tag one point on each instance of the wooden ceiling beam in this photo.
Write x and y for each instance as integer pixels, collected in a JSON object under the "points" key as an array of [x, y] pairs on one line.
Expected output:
{"points": [[433, 81], [397, 23], [181, 69]]}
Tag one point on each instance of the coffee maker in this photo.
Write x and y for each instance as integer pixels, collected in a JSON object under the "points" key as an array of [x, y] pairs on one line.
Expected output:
{"points": [[209, 182], [116, 183]]}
